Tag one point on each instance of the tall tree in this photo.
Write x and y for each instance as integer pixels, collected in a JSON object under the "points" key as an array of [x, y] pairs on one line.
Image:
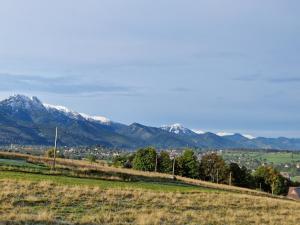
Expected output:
{"points": [[270, 180], [187, 164], [214, 168], [145, 159], [241, 176], [164, 162]]}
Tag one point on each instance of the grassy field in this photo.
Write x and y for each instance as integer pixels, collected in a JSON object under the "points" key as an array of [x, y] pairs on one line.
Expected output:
{"points": [[278, 158], [19, 163], [103, 184], [84, 169], [268, 157], [33, 197], [29, 201]]}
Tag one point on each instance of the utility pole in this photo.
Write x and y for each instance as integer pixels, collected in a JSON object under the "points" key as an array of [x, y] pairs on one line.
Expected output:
{"points": [[217, 176], [230, 178], [156, 163], [55, 147], [260, 186], [174, 168]]}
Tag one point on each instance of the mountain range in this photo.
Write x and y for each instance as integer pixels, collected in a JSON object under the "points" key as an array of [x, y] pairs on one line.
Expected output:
{"points": [[27, 121]]}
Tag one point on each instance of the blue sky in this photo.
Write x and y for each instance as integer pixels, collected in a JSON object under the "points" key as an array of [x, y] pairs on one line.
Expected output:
{"points": [[212, 65]]}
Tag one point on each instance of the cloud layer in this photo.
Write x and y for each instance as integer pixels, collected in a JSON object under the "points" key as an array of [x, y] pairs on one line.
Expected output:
{"points": [[70, 85]]}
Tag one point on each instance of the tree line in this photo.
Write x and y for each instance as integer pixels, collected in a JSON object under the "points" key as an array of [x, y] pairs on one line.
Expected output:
{"points": [[211, 167]]}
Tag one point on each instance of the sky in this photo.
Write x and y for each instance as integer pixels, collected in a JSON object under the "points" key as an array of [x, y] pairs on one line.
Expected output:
{"points": [[226, 65]]}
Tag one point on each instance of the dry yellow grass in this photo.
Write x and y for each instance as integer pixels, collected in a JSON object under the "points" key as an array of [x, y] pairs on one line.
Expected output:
{"points": [[48, 203]]}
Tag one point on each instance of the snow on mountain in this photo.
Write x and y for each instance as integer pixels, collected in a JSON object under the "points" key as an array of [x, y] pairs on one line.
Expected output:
{"points": [[198, 131], [175, 128], [21, 101], [249, 136], [17, 102], [100, 119], [77, 115], [62, 109], [222, 134]]}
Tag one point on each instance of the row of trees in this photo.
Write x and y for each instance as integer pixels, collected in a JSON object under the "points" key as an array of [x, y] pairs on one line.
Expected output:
{"points": [[211, 167]]}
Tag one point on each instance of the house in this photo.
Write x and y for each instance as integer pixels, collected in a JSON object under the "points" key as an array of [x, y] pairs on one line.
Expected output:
{"points": [[294, 193]]}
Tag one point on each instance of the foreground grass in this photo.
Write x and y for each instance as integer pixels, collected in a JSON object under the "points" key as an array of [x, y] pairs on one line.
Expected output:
{"points": [[30, 201]]}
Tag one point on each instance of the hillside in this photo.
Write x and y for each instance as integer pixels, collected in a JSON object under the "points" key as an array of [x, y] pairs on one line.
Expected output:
{"points": [[36, 197], [84, 169]]}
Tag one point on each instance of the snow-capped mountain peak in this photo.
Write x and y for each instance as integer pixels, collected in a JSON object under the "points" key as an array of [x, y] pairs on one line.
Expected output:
{"points": [[21, 101], [175, 128], [17, 102]]}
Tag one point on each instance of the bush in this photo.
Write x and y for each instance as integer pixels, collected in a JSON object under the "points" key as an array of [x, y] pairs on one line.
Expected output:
{"points": [[124, 161], [91, 158], [50, 153]]}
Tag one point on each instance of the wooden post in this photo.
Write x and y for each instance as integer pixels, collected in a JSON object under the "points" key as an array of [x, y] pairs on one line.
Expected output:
{"points": [[230, 178], [55, 148], [217, 176]]}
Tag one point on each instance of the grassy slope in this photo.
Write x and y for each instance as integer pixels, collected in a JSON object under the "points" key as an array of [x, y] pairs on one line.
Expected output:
{"points": [[47, 199], [103, 184], [120, 173]]}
